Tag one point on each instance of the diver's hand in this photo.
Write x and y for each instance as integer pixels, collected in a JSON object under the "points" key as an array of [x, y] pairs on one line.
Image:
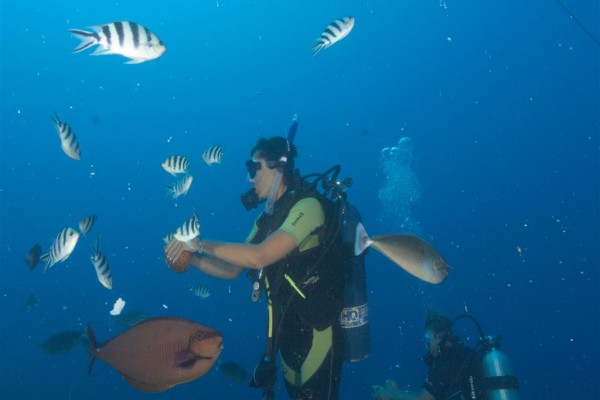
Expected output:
{"points": [[178, 254]]}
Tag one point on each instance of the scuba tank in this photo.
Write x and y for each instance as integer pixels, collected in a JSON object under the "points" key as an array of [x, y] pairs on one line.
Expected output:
{"points": [[354, 317], [500, 381]]}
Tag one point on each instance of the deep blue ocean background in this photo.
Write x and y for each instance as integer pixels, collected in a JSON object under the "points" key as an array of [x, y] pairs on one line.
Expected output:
{"points": [[500, 98]]}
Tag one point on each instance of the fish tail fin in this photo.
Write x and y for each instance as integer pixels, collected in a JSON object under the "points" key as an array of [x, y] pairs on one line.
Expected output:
{"points": [[316, 48], [93, 350], [88, 39], [361, 241], [45, 258]]}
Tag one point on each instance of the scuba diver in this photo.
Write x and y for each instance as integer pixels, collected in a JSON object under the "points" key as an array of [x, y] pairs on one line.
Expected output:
{"points": [[291, 257], [457, 372]]}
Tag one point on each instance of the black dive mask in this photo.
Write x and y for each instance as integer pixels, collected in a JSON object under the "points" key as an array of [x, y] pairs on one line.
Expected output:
{"points": [[250, 199]]}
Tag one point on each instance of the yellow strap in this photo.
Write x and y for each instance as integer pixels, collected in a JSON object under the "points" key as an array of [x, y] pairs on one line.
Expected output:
{"points": [[321, 345], [293, 284]]}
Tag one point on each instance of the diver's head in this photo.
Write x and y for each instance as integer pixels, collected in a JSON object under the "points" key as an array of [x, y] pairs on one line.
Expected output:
{"points": [[438, 332], [271, 150]]}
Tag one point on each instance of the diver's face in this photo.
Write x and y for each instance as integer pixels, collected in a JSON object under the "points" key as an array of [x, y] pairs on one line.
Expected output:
{"points": [[263, 177], [432, 341]]}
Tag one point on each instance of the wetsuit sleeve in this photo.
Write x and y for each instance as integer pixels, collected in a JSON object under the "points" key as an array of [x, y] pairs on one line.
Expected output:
{"points": [[303, 220]]}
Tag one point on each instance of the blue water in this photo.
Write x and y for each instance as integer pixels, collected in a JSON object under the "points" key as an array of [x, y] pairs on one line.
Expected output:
{"points": [[501, 100]]}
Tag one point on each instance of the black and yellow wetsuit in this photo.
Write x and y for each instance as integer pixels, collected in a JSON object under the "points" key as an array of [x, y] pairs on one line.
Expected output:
{"points": [[305, 295]]}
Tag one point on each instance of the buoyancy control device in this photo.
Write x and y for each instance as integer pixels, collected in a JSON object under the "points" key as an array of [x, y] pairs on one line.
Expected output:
{"points": [[500, 383]]}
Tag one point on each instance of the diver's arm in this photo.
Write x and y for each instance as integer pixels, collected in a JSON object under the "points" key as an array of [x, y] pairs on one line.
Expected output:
{"points": [[255, 256], [215, 267]]}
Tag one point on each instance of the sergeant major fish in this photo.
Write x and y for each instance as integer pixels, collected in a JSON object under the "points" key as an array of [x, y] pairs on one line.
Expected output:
{"points": [[68, 141], [86, 223], [213, 155], [176, 165], [189, 230], [181, 186], [126, 38], [61, 248], [100, 264], [335, 31]]}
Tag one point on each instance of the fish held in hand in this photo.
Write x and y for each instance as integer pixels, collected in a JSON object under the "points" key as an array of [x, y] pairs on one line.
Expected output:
{"points": [[159, 353], [126, 38]]}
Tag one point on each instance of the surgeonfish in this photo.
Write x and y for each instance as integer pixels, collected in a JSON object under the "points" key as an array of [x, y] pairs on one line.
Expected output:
{"points": [[181, 186], [33, 257], [63, 342], [159, 353], [68, 141], [100, 264], [189, 230], [411, 253], [335, 31], [128, 39], [213, 155], [61, 248], [176, 165], [86, 223]]}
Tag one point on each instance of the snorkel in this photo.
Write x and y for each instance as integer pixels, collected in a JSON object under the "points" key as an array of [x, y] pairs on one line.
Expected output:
{"points": [[280, 167]]}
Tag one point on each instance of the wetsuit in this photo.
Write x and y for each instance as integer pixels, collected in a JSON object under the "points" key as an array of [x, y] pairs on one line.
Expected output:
{"points": [[305, 293], [455, 374]]}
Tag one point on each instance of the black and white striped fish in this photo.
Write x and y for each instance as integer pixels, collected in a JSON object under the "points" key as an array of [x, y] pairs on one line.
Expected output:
{"points": [[100, 264], [335, 31], [128, 39], [181, 186], [168, 237], [86, 223], [176, 165], [189, 230], [68, 141], [61, 248], [213, 155]]}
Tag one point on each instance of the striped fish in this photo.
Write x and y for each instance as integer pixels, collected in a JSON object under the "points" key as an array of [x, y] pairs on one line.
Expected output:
{"points": [[335, 31], [68, 141], [101, 266], [86, 223], [213, 155], [181, 186], [168, 237], [128, 39], [189, 230], [61, 248], [176, 165]]}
